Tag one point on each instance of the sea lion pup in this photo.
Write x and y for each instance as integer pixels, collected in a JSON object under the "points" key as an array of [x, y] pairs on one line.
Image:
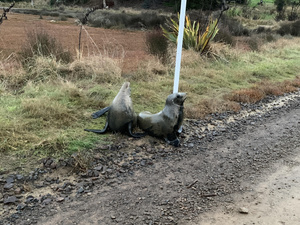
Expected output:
{"points": [[121, 116], [167, 123]]}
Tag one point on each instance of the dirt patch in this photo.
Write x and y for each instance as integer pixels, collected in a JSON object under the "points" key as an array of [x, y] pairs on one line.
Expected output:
{"points": [[129, 46], [275, 200]]}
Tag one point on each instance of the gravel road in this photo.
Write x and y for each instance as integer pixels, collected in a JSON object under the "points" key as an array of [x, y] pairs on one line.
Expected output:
{"points": [[231, 169]]}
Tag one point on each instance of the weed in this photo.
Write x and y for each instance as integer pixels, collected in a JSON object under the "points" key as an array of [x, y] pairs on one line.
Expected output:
{"points": [[254, 43], [234, 26], [40, 43], [225, 36], [157, 44]]}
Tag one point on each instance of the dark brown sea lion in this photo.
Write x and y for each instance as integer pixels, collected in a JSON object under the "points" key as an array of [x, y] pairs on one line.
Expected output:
{"points": [[167, 123], [121, 116]]}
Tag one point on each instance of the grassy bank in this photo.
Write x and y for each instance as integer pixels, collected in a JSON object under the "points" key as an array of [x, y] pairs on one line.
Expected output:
{"points": [[47, 99]]}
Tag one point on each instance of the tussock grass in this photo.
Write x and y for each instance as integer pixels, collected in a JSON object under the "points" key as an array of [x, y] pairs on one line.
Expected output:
{"points": [[97, 69]]}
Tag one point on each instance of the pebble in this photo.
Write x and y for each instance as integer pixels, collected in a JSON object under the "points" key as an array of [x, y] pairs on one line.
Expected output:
{"points": [[19, 177], [80, 190], [8, 185], [21, 206], [60, 199], [10, 199], [47, 201], [190, 145], [243, 210], [10, 180]]}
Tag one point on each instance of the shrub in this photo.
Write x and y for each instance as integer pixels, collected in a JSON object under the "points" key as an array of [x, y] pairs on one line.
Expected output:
{"points": [[296, 28], [253, 43], [128, 20], [63, 18], [290, 28], [234, 26], [192, 37], [225, 36], [269, 37], [157, 44], [40, 43]]}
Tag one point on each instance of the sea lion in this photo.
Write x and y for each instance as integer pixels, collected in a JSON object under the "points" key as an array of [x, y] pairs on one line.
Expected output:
{"points": [[121, 116], [168, 122]]}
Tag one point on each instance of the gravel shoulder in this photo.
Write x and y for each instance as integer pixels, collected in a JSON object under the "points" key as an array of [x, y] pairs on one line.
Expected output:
{"points": [[226, 162], [275, 200]]}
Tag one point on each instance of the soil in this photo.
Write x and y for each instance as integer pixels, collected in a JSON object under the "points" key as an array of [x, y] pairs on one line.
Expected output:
{"points": [[128, 46], [231, 168]]}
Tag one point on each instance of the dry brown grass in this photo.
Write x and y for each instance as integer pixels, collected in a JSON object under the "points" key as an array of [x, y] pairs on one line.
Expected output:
{"points": [[8, 66], [208, 106], [262, 89], [149, 70], [250, 95], [97, 68]]}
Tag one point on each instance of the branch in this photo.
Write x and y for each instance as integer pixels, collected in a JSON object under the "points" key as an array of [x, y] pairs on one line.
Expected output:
{"points": [[6, 11], [85, 18]]}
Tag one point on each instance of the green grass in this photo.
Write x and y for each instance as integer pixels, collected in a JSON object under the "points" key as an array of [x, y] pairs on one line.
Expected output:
{"points": [[266, 2]]}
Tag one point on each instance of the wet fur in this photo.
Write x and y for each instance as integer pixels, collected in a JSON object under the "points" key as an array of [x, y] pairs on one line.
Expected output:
{"points": [[121, 116], [167, 122]]}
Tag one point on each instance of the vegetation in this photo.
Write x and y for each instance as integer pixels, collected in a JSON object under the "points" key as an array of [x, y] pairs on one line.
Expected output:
{"points": [[192, 38]]}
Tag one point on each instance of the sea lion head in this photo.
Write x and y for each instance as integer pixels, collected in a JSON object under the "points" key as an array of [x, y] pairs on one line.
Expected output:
{"points": [[176, 99], [126, 88]]}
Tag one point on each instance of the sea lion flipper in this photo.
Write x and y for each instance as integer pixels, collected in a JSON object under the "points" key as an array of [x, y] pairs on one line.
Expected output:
{"points": [[98, 131], [172, 139], [99, 113], [136, 135]]}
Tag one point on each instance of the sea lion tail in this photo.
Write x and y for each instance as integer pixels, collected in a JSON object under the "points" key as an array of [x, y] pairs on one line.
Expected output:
{"points": [[99, 113], [135, 135], [98, 131]]}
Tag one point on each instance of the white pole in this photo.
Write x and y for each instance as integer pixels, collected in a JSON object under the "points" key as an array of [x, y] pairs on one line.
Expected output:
{"points": [[179, 45]]}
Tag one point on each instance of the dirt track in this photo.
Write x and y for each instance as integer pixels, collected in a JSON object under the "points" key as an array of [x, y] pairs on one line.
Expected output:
{"points": [[225, 163]]}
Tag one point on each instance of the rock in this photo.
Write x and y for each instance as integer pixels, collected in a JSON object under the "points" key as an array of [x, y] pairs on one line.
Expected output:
{"points": [[47, 201], [60, 199], [8, 185], [18, 191], [243, 210], [48, 179], [10, 180], [190, 145], [80, 190], [10, 199], [21, 206], [19, 177], [30, 199], [98, 168]]}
